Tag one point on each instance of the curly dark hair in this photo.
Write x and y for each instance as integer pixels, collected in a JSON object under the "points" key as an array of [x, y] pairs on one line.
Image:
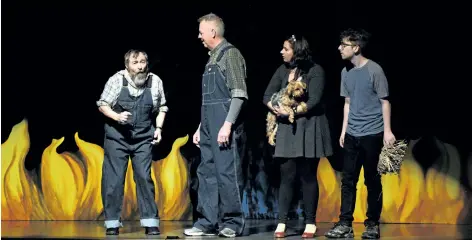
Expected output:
{"points": [[360, 37]]}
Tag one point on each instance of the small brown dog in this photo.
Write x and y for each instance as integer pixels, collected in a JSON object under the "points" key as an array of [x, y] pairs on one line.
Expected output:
{"points": [[290, 100]]}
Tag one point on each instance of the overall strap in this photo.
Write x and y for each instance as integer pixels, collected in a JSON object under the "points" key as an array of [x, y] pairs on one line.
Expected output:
{"points": [[149, 81], [223, 52]]}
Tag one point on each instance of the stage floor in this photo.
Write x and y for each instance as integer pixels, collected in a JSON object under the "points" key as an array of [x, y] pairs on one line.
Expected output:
{"points": [[255, 229]]}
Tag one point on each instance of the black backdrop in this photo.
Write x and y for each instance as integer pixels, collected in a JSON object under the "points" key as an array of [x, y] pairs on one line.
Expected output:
{"points": [[57, 58]]}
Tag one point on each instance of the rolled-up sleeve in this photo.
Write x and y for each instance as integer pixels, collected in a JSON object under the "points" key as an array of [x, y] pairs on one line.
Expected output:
{"points": [[110, 92], [162, 105], [236, 73], [159, 97]]}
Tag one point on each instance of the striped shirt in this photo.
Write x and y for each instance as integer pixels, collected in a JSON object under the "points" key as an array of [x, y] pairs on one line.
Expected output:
{"points": [[233, 66], [114, 84]]}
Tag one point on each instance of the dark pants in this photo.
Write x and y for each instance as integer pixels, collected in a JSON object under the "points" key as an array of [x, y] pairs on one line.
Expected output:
{"points": [[290, 170], [361, 152], [115, 164], [220, 179]]}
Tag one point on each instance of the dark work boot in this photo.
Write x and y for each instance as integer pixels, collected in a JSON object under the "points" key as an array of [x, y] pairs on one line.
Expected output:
{"points": [[152, 231], [112, 231]]}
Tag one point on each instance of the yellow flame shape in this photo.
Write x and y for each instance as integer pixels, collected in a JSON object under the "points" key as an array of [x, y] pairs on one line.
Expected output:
{"points": [[20, 199], [62, 182], [329, 200], [173, 181], [70, 186], [71, 183], [409, 197], [90, 204]]}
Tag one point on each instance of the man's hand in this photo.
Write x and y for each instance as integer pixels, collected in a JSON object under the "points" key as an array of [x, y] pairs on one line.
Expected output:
{"points": [[389, 138], [157, 136], [122, 117], [196, 137], [223, 135], [341, 139]]}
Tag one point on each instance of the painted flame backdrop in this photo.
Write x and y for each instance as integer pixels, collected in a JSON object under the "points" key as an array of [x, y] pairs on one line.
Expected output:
{"points": [[48, 173], [68, 186]]}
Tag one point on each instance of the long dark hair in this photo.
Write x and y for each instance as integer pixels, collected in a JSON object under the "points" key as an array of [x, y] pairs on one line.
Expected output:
{"points": [[302, 58]]}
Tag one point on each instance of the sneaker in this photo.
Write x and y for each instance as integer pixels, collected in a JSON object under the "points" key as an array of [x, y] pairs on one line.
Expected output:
{"points": [[227, 232], [340, 230], [372, 231], [197, 232]]}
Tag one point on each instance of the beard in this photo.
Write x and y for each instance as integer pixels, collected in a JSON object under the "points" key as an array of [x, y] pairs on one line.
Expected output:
{"points": [[139, 78]]}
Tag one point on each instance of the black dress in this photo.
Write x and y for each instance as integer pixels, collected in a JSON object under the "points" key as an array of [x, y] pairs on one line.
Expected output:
{"points": [[309, 136]]}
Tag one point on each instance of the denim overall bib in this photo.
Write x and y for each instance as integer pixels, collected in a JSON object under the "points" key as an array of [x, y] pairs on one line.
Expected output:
{"points": [[219, 173], [124, 141]]}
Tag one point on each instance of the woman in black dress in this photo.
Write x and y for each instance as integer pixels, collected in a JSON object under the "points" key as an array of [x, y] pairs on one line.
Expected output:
{"points": [[299, 145]]}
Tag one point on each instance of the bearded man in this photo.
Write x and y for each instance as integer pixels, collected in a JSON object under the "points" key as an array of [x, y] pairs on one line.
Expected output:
{"points": [[130, 99]]}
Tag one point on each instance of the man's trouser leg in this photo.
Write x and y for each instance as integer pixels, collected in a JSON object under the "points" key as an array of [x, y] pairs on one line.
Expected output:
{"points": [[115, 164], [372, 146], [351, 168], [229, 175], [145, 190], [207, 183]]}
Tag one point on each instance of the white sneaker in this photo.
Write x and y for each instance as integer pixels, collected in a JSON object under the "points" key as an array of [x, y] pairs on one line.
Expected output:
{"points": [[197, 232], [227, 232]]}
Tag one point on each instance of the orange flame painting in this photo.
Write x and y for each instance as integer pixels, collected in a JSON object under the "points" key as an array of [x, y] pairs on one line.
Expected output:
{"points": [[69, 186], [413, 196], [409, 197]]}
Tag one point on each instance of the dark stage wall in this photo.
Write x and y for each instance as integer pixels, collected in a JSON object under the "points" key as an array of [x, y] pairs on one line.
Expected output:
{"points": [[57, 58]]}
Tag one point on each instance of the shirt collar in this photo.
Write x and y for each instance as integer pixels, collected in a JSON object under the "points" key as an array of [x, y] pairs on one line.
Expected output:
{"points": [[217, 48]]}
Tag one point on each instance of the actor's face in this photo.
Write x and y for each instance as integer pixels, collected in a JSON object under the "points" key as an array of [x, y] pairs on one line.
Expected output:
{"points": [[347, 49], [287, 52], [206, 33], [137, 68]]}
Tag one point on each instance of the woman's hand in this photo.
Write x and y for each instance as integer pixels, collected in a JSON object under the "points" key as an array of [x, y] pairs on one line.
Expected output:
{"points": [[275, 111], [281, 112]]}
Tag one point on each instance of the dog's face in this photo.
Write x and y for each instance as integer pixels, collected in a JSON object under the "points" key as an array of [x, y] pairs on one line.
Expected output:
{"points": [[296, 89]]}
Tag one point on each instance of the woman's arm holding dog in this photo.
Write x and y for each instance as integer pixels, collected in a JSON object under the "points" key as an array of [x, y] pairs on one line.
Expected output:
{"points": [[316, 85], [274, 86]]}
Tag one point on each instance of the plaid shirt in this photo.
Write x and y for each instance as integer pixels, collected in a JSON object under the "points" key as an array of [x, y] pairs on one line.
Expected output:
{"points": [[114, 84], [233, 66]]}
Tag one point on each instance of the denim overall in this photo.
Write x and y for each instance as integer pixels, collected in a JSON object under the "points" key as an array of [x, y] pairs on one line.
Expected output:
{"points": [[219, 173], [124, 141]]}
